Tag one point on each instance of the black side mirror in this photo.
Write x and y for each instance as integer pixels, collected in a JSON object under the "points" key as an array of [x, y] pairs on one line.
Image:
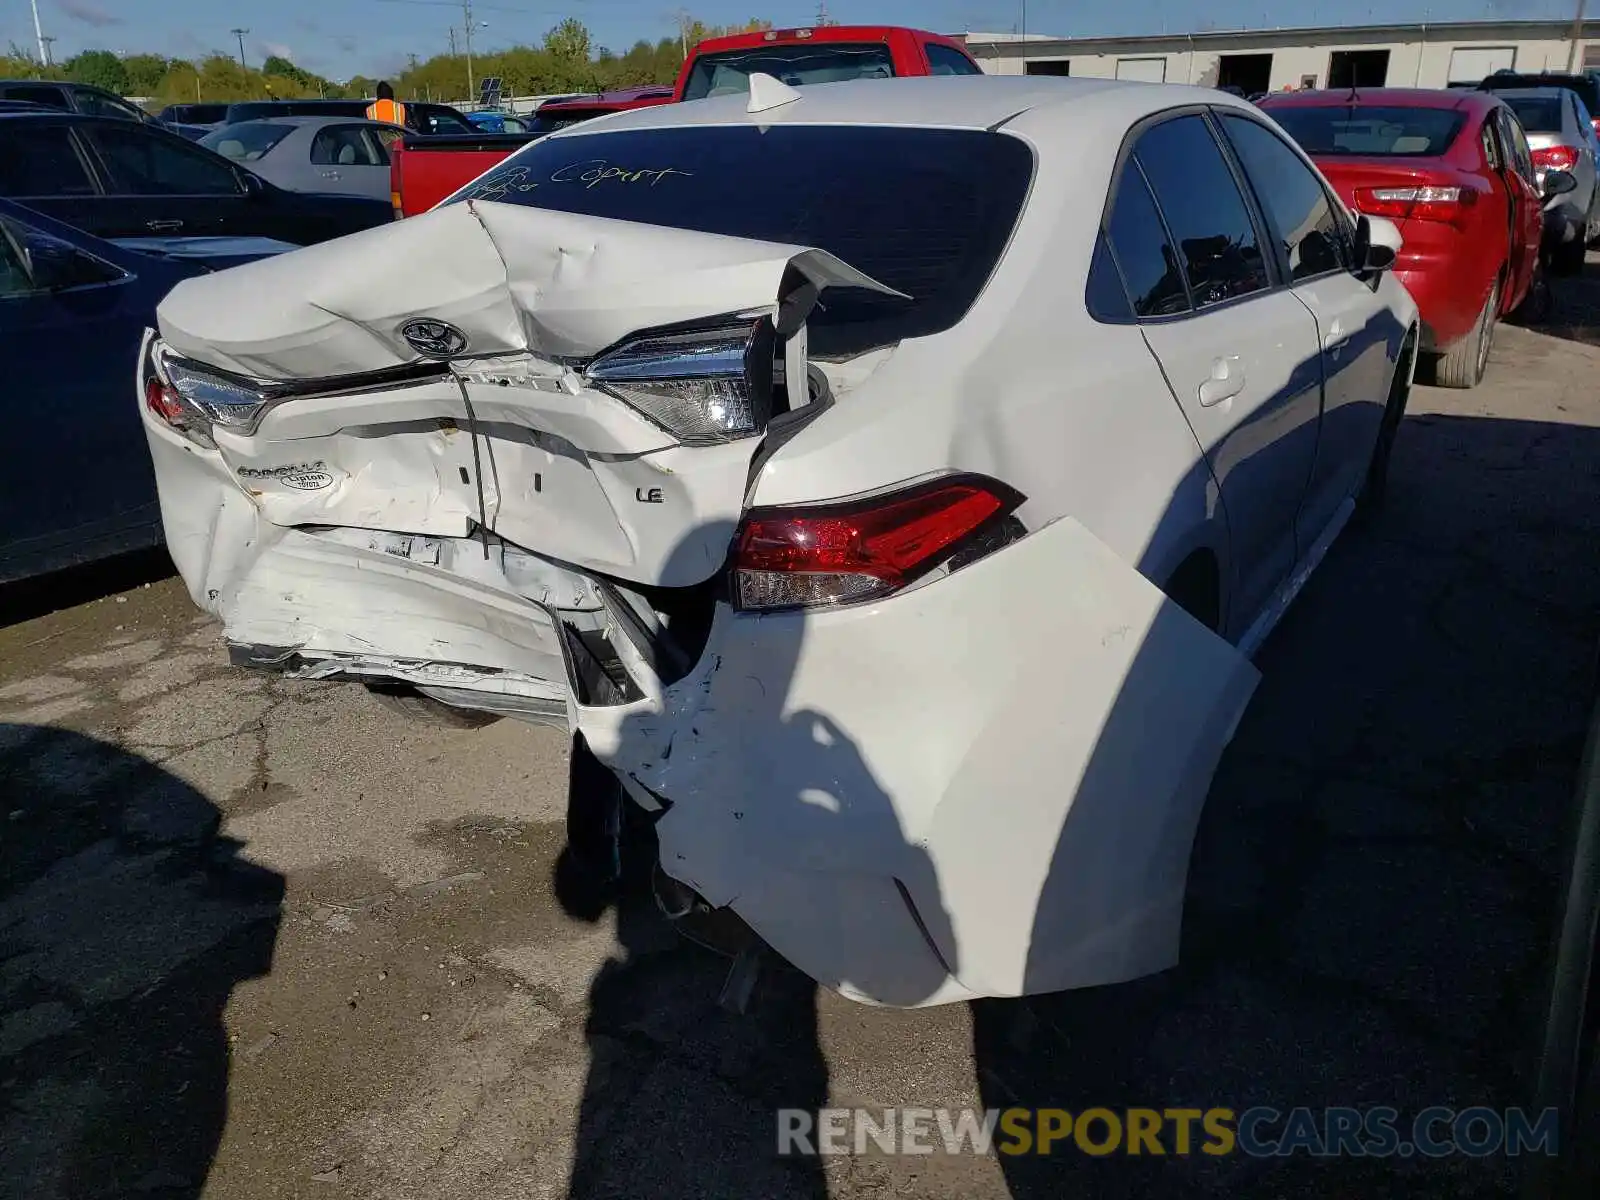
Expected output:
{"points": [[1557, 183]]}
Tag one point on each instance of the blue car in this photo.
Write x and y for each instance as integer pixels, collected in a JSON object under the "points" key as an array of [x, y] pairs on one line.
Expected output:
{"points": [[499, 122], [73, 311]]}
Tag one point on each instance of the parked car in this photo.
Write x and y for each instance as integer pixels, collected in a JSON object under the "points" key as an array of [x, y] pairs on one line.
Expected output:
{"points": [[865, 518], [313, 154], [500, 122], [1584, 86], [73, 310], [1453, 169], [73, 97], [569, 110], [1561, 136], [116, 180], [421, 117]]}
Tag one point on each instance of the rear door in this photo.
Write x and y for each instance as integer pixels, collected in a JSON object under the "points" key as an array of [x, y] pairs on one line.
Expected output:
{"points": [[348, 161], [159, 185], [43, 166], [1356, 329], [1240, 352], [1527, 208]]}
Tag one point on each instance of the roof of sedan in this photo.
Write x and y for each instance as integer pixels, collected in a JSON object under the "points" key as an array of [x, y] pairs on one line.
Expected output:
{"points": [[324, 120], [945, 101]]}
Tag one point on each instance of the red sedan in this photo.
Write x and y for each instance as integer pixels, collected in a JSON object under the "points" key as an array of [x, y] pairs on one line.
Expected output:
{"points": [[1453, 170]]}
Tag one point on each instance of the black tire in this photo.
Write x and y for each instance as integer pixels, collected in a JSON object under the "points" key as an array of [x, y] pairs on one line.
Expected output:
{"points": [[1375, 487], [1462, 366], [429, 711], [1567, 258]]}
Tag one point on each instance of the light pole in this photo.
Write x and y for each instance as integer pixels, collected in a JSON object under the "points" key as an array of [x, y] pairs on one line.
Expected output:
{"points": [[1576, 37], [239, 33], [38, 32]]}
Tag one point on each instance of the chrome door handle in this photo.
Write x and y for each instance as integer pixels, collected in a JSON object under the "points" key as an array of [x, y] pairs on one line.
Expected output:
{"points": [[1226, 382], [163, 226], [330, 174], [1336, 337]]}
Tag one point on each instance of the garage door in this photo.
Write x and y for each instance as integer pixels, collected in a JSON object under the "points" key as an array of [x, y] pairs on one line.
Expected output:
{"points": [[1148, 70], [1473, 64]]}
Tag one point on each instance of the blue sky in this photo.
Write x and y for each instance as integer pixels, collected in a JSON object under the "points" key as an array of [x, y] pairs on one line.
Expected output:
{"points": [[338, 38]]}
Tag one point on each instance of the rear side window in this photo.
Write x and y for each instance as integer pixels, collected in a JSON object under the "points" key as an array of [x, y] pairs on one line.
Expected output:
{"points": [[1538, 114], [1370, 131], [1293, 198], [1143, 250], [141, 163], [1195, 190], [40, 160], [728, 73], [942, 60], [344, 146], [246, 142], [933, 227]]}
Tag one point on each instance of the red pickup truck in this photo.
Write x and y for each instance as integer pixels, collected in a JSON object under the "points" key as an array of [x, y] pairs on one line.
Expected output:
{"points": [[423, 171]]}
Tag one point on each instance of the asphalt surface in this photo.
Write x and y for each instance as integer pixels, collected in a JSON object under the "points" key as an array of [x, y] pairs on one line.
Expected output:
{"points": [[263, 938]]}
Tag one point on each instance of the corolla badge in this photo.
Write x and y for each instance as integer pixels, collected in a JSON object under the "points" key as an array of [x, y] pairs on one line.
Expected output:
{"points": [[434, 339]]}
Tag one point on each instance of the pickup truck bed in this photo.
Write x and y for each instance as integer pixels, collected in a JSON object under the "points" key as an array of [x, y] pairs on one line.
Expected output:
{"points": [[419, 178]]}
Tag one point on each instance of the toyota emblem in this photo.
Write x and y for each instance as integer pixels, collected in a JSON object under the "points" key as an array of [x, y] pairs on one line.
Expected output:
{"points": [[434, 339]]}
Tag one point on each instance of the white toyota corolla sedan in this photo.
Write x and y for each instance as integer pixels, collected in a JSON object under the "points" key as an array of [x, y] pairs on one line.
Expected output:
{"points": [[889, 482]]}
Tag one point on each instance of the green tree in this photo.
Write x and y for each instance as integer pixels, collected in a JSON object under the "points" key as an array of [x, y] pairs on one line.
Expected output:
{"points": [[99, 68], [568, 41], [145, 72]]}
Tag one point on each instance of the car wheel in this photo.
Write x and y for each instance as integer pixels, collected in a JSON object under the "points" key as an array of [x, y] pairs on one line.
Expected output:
{"points": [[428, 710], [1462, 366], [1375, 487]]}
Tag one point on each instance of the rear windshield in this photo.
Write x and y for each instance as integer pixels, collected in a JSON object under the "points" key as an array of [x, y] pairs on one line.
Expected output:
{"points": [[1370, 131], [1538, 114], [291, 108], [729, 73], [247, 141], [544, 122], [925, 211]]}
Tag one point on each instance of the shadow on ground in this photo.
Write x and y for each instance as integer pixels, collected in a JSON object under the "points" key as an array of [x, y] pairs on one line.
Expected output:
{"points": [[125, 924]]}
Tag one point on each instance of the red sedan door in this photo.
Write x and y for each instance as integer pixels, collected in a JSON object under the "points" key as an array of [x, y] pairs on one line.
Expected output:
{"points": [[1527, 209]]}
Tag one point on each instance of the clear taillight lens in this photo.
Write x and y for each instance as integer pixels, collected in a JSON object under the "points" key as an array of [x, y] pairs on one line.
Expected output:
{"points": [[1424, 203], [193, 401], [703, 385], [840, 553]]}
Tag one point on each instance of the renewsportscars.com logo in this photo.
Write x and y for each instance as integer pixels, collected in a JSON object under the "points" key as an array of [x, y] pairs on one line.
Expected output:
{"points": [[1259, 1132]]}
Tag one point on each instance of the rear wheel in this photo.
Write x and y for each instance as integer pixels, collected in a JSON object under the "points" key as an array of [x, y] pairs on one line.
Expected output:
{"points": [[1462, 366]]}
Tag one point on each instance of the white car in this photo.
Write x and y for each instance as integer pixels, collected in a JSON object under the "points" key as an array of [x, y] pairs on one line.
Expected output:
{"points": [[890, 483]]}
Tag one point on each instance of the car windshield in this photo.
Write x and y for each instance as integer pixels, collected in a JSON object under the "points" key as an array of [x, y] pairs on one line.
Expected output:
{"points": [[1538, 114], [245, 142], [932, 227], [1370, 131], [728, 73]]}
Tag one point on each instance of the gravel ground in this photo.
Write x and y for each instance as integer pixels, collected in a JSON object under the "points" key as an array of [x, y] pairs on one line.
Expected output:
{"points": [[261, 938]]}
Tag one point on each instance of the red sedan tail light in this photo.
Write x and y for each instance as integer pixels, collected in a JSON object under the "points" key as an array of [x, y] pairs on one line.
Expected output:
{"points": [[838, 553], [1555, 158], [1421, 203]]}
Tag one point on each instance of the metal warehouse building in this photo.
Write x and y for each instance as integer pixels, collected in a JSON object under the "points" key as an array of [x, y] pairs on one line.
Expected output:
{"points": [[1266, 60]]}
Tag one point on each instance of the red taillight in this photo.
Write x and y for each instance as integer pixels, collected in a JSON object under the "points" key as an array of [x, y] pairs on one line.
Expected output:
{"points": [[836, 553], [1425, 202], [164, 402], [1595, 121], [1555, 158]]}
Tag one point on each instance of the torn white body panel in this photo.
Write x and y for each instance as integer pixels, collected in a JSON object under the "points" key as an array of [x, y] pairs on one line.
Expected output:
{"points": [[1032, 781]]}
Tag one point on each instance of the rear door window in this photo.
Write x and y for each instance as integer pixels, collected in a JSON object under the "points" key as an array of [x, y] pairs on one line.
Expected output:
{"points": [[1194, 187], [344, 146], [141, 163], [41, 160], [1292, 197], [1144, 250]]}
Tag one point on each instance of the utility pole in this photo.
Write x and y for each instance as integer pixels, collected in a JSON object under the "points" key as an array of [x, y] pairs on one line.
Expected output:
{"points": [[49, 54], [38, 32], [466, 9], [239, 33], [1576, 37], [683, 32], [452, 41]]}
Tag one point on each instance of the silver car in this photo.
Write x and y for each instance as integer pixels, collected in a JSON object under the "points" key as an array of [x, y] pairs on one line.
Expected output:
{"points": [[1562, 137], [343, 155]]}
